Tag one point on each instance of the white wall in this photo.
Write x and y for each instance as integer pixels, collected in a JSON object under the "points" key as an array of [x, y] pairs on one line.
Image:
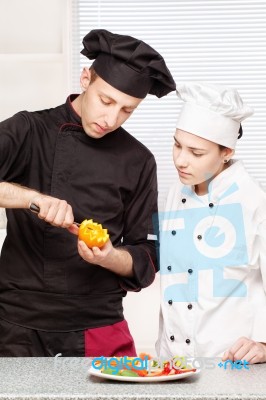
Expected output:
{"points": [[33, 54], [34, 74]]}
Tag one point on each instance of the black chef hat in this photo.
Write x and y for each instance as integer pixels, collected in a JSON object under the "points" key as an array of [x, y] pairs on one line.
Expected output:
{"points": [[128, 64]]}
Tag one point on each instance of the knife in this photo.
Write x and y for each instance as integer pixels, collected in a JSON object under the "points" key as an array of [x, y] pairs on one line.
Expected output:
{"points": [[36, 209]]}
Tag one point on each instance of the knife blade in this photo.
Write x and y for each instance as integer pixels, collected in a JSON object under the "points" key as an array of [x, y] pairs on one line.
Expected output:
{"points": [[36, 209]]}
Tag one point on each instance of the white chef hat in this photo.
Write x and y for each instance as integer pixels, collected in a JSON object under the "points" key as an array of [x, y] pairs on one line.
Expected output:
{"points": [[211, 111]]}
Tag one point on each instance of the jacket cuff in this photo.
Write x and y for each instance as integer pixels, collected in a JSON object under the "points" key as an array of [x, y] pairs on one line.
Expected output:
{"points": [[144, 268]]}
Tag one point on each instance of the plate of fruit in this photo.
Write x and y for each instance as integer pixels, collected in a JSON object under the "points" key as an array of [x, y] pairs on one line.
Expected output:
{"points": [[142, 369]]}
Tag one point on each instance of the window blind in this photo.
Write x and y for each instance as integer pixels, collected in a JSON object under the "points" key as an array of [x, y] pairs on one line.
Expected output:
{"points": [[221, 41]]}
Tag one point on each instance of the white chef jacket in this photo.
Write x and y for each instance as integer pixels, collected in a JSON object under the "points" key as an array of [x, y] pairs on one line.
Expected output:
{"points": [[213, 266]]}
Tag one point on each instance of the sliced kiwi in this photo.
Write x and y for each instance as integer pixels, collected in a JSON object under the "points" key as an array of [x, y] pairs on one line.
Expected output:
{"points": [[127, 372]]}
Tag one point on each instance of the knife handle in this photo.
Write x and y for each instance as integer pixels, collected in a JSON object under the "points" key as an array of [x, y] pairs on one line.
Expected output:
{"points": [[34, 208]]}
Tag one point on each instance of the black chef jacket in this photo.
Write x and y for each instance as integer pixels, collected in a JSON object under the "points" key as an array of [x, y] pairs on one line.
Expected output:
{"points": [[44, 283]]}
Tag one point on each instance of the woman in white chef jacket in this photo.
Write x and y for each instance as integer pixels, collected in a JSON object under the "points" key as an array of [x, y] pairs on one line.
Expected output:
{"points": [[212, 236]]}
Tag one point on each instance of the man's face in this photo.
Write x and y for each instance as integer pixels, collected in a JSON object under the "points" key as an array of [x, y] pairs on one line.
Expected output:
{"points": [[103, 108]]}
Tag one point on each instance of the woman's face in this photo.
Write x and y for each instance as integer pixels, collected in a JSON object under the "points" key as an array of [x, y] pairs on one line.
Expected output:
{"points": [[198, 160]]}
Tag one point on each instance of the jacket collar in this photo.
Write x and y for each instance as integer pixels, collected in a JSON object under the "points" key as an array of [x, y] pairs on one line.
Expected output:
{"points": [[223, 185]]}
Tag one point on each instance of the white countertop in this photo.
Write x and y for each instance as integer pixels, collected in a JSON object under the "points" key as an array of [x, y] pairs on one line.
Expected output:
{"points": [[68, 378]]}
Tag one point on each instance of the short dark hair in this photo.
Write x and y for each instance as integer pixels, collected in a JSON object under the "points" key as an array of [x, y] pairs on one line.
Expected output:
{"points": [[94, 75], [221, 147]]}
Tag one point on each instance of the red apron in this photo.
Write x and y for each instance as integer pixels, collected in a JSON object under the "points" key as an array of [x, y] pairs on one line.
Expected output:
{"points": [[109, 341]]}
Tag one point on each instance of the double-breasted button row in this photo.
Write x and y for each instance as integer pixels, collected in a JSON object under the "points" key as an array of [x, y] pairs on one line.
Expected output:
{"points": [[190, 270], [189, 306], [184, 201], [172, 338]]}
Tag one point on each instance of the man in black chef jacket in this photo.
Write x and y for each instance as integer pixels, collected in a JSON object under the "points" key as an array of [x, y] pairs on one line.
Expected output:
{"points": [[74, 162]]}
